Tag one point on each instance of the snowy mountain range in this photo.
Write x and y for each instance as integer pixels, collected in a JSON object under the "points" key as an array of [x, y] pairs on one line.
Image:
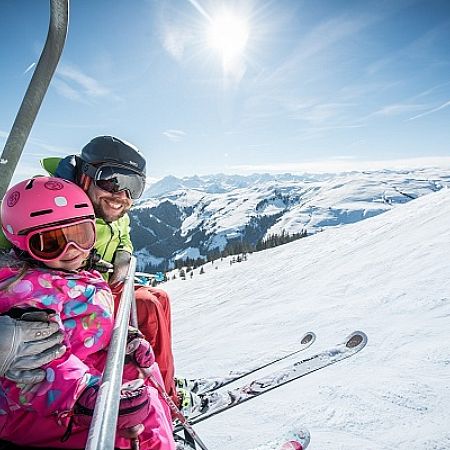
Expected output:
{"points": [[192, 217], [387, 276]]}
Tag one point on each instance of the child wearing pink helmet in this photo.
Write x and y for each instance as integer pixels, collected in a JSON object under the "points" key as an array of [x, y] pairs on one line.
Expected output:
{"points": [[51, 224]]}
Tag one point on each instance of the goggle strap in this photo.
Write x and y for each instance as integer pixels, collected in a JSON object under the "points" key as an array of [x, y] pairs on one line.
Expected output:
{"points": [[89, 170], [85, 182]]}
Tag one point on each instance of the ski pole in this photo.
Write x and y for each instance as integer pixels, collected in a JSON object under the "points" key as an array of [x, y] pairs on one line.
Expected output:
{"points": [[176, 411], [162, 391]]}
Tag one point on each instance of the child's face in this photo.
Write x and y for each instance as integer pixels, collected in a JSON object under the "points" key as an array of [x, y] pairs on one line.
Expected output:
{"points": [[72, 259]]}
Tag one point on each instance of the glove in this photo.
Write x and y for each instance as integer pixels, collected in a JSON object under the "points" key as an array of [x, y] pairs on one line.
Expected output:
{"points": [[26, 345], [120, 271], [134, 405], [139, 351]]}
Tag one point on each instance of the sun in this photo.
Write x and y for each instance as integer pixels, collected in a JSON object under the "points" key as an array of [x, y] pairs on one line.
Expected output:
{"points": [[228, 34]]}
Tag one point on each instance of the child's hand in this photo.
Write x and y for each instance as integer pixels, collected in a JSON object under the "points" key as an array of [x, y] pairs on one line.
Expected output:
{"points": [[134, 405], [139, 351]]}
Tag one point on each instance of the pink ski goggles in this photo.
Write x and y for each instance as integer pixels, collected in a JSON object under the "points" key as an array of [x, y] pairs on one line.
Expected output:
{"points": [[49, 243]]}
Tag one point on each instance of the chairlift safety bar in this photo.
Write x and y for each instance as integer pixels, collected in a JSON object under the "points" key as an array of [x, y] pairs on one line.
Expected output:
{"points": [[102, 432]]}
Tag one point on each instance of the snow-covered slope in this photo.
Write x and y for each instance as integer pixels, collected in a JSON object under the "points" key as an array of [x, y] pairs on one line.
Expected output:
{"points": [[388, 276]]}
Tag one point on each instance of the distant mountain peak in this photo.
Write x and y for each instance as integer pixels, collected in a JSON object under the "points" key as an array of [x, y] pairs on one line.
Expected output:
{"points": [[204, 214]]}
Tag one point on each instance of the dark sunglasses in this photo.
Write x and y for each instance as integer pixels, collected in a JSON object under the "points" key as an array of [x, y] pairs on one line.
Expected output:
{"points": [[116, 179]]}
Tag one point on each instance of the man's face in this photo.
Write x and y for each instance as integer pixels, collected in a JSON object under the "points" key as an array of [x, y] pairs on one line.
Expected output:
{"points": [[109, 206]]}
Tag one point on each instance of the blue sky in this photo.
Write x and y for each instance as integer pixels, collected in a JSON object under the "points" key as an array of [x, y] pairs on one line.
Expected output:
{"points": [[313, 85]]}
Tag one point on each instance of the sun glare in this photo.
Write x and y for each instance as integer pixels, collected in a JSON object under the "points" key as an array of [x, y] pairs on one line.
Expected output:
{"points": [[228, 34]]}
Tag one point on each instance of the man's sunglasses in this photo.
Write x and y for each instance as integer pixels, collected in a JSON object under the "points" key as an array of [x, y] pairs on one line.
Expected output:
{"points": [[111, 178]]}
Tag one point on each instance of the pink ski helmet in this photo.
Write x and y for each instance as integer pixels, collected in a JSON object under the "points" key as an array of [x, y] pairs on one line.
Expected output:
{"points": [[40, 203]]}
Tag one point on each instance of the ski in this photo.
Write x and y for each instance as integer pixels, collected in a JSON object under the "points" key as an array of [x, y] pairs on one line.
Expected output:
{"points": [[297, 439], [215, 402], [203, 385], [293, 440], [291, 445]]}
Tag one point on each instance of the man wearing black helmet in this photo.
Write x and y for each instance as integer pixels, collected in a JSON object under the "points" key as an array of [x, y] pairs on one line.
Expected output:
{"points": [[112, 172]]}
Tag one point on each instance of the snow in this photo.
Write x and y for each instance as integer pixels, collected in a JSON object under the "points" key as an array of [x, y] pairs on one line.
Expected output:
{"points": [[211, 216], [144, 258], [190, 252], [388, 276]]}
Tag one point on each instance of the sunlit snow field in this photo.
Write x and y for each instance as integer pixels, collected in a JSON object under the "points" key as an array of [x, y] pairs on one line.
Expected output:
{"points": [[388, 276]]}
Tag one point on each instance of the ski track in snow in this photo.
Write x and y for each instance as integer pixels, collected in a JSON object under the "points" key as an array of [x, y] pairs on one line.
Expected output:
{"points": [[388, 276]]}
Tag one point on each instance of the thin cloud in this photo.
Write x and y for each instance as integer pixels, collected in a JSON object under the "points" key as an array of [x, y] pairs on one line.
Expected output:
{"points": [[431, 111], [340, 127], [47, 148], [344, 164], [174, 41], [311, 110], [424, 46], [23, 171], [73, 84], [360, 90], [398, 109], [328, 33], [67, 91], [312, 133], [323, 37], [29, 68], [316, 44], [323, 112], [421, 48], [174, 135], [432, 90]]}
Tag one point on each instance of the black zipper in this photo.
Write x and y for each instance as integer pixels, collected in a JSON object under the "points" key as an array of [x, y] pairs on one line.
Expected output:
{"points": [[110, 239]]}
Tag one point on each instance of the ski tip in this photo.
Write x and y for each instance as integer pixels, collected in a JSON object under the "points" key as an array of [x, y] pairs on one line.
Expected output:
{"points": [[298, 440], [357, 339], [292, 445], [308, 338]]}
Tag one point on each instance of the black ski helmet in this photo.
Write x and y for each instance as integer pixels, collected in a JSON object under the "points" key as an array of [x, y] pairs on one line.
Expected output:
{"points": [[109, 149]]}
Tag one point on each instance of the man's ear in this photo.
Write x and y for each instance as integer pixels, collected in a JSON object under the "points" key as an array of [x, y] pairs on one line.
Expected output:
{"points": [[78, 169]]}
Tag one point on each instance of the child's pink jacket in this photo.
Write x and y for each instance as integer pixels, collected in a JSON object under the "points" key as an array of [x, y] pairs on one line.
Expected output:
{"points": [[84, 307]]}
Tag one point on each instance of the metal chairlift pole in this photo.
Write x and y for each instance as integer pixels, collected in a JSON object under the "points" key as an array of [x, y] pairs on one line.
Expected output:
{"points": [[57, 32], [102, 432]]}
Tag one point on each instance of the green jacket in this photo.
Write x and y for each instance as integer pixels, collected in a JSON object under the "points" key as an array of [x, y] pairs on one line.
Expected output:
{"points": [[110, 236]]}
